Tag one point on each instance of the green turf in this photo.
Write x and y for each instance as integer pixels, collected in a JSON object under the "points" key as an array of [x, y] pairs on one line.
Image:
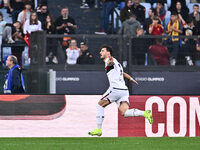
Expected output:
{"points": [[165, 143]]}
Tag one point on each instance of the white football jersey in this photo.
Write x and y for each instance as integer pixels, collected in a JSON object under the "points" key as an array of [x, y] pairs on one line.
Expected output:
{"points": [[115, 75], [72, 55]]}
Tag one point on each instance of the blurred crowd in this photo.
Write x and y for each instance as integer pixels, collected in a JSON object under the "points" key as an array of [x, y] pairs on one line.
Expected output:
{"points": [[162, 19], [27, 18], [172, 18]]}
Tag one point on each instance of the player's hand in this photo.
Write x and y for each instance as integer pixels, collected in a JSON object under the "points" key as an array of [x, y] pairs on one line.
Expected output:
{"points": [[134, 81], [110, 61]]}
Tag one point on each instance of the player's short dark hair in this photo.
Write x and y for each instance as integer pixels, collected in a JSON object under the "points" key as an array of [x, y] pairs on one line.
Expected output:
{"points": [[14, 59], [108, 48]]}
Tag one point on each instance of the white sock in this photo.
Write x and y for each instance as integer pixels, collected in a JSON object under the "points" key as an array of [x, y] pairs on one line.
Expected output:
{"points": [[133, 113], [99, 116]]}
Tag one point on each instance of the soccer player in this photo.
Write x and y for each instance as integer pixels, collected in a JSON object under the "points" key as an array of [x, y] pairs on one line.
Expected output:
{"points": [[117, 92]]}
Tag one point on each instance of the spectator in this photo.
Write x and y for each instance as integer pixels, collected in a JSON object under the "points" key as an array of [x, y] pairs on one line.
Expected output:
{"points": [[160, 11], [65, 24], [182, 14], [189, 44], [72, 52], [5, 31], [195, 15], [160, 53], [49, 25], [155, 28], [174, 28], [18, 37], [25, 14], [197, 53], [139, 11], [183, 4], [190, 26], [42, 14], [14, 83], [148, 21], [15, 7], [139, 48], [130, 26], [51, 52], [126, 11], [32, 24], [85, 55], [84, 4], [108, 6]]}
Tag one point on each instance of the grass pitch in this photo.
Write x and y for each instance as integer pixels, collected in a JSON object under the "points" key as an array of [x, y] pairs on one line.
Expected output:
{"points": [[93, 143]]}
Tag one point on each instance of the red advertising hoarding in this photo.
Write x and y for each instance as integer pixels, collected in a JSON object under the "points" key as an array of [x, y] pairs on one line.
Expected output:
{"points": [[174, 116]]}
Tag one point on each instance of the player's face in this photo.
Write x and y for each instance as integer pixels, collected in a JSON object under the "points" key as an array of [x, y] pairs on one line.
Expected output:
{"points": [[104, 53]]}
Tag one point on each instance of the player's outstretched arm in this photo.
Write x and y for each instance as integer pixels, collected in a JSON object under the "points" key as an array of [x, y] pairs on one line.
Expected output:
{"points": [[127, 76]]}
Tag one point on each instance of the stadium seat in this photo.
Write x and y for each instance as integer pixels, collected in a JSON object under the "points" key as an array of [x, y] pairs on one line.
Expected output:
{"points": [[122, 5], [147, 6], [167, 17], [187, 2], [169, 3]]}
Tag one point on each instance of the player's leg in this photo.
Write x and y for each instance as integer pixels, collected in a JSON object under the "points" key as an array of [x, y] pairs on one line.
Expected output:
{"points": [[100, 112], [126, 112], [99, 117]]}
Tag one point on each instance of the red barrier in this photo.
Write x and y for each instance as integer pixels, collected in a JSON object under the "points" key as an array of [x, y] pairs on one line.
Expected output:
{"points": [[174, 116]]}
